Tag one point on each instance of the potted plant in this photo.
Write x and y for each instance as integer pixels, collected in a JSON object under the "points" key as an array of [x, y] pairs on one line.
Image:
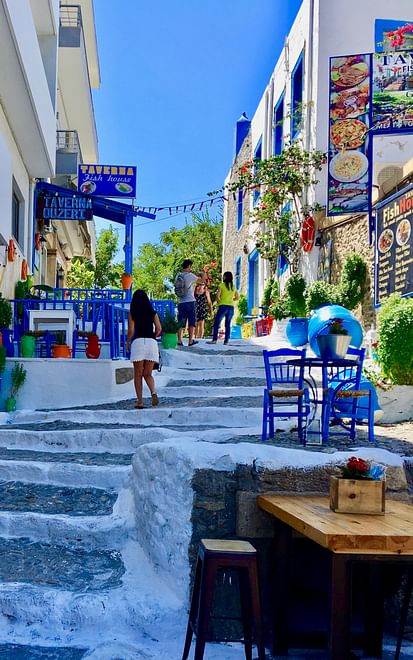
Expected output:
{"points": [[170, 327], [335, 343], [297, 326], [18, 378], [360, 488], [60, 349], [27, 344], [126, 280], [6, 317], [280, 311], [93, 347]]}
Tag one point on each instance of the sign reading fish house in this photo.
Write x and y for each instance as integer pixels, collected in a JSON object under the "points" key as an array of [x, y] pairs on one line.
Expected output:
{"points": [[107, 180]]}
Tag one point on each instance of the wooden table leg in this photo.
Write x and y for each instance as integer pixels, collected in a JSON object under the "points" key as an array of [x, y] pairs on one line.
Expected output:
{"points": [[340, 607], [282, 543]]}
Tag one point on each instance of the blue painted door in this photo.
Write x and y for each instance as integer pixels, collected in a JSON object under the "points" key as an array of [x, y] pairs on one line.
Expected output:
{"points": [[253, 281]]}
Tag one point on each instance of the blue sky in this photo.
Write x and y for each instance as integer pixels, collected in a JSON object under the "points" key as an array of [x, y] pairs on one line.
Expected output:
{"points": [[176, 76]]}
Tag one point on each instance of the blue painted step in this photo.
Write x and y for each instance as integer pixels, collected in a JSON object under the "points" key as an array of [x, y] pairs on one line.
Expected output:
{"points": [[19, 652]]}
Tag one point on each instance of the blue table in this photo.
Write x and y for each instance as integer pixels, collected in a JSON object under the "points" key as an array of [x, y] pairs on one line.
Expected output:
{"points": [[329, 369]]}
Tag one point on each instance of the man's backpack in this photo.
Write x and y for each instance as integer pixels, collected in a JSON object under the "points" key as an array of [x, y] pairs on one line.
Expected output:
{"points": [[180, 286]]}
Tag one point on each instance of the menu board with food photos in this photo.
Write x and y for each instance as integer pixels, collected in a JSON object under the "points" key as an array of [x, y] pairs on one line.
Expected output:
{"points": [[394, 247], [349, 141]]}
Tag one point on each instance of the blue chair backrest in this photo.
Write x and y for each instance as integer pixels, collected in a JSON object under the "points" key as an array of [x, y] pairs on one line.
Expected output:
{"points": [[352, 373], [278, 371]]}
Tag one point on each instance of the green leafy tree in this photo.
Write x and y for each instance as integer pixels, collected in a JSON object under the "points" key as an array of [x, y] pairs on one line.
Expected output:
{"points": [[200, 239], [81, 274], [107, 271]]}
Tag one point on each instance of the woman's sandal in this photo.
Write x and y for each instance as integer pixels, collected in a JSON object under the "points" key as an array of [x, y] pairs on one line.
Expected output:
{"points": [[139, 405], [155, 400]]}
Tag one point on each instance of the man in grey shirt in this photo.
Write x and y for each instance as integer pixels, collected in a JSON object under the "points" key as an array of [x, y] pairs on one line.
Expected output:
{"points": [[185, 283]]}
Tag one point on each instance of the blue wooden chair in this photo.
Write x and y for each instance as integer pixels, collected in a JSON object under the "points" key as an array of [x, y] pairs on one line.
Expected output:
{"points": [[285, 394], [347, 402]]}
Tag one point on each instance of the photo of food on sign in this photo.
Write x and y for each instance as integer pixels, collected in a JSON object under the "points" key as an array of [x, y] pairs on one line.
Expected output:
{"points": [[348, 72], [403, 232], [88, 187], [385, 241], [348, 133], [346, 197], [350, 103], [349, 166]]}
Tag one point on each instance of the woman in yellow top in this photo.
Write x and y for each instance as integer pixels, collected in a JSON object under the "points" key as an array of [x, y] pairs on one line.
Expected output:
{"points": [[226, 296]]}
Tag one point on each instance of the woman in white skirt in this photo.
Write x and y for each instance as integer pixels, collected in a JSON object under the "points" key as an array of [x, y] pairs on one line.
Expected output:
{"points": [[143, 326]]}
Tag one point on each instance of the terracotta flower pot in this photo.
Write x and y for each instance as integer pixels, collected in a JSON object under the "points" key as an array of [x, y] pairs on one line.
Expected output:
{"points": [[126, 281], [61, 351], [93, 347]]}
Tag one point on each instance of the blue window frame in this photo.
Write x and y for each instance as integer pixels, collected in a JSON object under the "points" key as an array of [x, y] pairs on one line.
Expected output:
{"points": [[240, 208], [278, 132], [238, 273], [257, 156], [297, 87]]}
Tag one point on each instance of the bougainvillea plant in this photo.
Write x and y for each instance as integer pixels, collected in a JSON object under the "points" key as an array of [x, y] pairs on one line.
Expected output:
{"points": [[358, 468], [282, 181], [397, 36]]}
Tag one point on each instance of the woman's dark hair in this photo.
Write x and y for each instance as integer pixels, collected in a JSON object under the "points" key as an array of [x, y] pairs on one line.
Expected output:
{"points": [[141, 305], [228, 279]]}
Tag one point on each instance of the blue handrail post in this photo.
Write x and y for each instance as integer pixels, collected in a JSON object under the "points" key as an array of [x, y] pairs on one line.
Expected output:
{"points": [[128, 247]]}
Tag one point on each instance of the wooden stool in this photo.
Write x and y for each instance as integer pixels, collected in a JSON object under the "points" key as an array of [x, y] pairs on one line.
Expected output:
{"points": [[213, 555]]}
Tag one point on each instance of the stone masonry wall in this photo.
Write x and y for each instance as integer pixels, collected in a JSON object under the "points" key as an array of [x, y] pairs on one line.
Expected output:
{"points": [[350, 237], [234, 238]]}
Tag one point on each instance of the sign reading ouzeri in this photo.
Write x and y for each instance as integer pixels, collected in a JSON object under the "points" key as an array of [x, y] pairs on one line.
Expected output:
{"points": [[107, 180], [394, 247]]}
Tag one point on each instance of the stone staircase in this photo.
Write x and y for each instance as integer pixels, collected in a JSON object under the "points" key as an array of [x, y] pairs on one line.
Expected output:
{"points": [[74, 581]]}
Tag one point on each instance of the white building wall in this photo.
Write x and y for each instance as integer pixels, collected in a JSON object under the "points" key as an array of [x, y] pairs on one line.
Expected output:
{"points": [[324, 29]]}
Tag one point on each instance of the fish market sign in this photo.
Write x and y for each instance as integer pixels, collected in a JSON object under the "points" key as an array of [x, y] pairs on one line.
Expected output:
{"points": [[63, 207], [107, 180]]}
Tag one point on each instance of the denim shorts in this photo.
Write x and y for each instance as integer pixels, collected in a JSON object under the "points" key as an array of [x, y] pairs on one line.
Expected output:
{"points": [[186, 312]]}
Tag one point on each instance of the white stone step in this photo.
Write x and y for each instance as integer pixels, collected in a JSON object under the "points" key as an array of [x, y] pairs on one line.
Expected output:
{"points": [[65, 474]]}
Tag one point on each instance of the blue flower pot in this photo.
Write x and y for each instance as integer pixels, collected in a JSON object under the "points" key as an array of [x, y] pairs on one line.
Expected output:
{"points": [[297, 331]]}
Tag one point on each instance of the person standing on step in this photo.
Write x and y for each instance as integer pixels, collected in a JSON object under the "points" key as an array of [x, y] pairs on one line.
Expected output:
{"points": [[203, 302], [226, 297], [184, 286], [143, 328]]}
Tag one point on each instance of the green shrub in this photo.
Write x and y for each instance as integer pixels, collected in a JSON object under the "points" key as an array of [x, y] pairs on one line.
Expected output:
{"points": [[353, 281], [280, 309], [321, 293], [295, 289], [170, 325], [6, 313], [2, 359], [266, 296], [395, 347], [242, 305]]}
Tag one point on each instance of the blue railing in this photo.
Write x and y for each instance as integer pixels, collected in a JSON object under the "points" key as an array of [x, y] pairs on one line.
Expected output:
{"points": [[103, 311]]}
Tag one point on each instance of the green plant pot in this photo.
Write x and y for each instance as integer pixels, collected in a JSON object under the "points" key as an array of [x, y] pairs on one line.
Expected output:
{"points": [[27, 346], [10, 404], [169, 340]]}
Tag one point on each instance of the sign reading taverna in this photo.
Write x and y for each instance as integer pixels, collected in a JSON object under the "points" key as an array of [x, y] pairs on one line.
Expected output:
{"points": [[64, 206], [107, 180]]}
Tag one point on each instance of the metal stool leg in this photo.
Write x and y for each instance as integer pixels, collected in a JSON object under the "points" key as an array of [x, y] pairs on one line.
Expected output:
{"points": [[256, 609], [245, 595], [193, 609]]}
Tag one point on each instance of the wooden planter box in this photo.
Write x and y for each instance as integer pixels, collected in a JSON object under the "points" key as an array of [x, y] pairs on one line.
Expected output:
{"points": [[357, 496]]}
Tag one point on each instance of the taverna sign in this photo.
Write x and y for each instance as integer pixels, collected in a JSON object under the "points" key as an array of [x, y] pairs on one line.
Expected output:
{"points": [[67, 206], [107, 180]]}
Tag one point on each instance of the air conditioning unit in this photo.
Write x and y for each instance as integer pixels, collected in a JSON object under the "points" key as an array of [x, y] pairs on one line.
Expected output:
{"points": [[47, 226], [389, 177]]}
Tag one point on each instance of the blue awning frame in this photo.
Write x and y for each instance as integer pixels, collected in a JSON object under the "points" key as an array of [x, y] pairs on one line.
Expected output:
{"points": [[102, 207]]}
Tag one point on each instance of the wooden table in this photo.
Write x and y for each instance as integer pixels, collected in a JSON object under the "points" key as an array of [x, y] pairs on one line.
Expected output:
{"points": [[349, 538]]}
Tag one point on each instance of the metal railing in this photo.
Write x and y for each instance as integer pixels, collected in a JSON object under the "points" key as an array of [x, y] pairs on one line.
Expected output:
{"points": [[103, 311], [70, 16], [68, 140]]}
